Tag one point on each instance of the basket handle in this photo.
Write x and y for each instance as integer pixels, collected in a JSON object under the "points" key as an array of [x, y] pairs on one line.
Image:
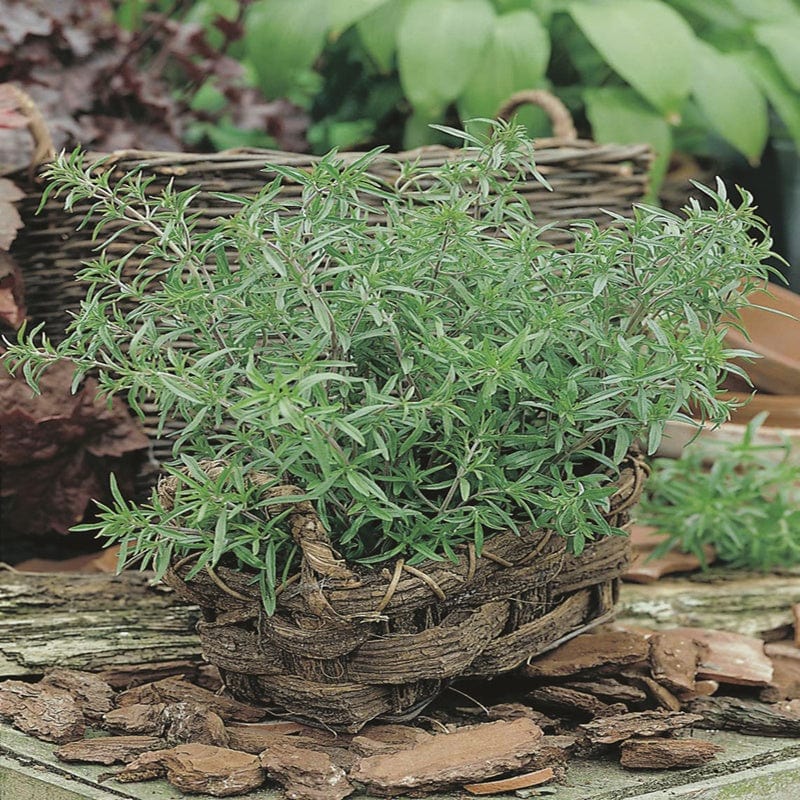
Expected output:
{"points": [[561, 119], [308, 531], [43, 149]]}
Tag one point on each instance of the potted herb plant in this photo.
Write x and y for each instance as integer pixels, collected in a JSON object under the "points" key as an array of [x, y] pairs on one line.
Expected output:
{"points": [[407, 448]]}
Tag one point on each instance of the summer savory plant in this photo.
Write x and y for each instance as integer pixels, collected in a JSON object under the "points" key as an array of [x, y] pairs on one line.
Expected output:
{"points": [[427, 380], [746, 504]]}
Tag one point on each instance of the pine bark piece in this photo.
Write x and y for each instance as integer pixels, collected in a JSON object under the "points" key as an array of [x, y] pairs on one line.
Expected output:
{"points": [[254, 737], [305, 774], [796, 622], [674, 659], [535, 778], [91, 693], [170, 690], [609, 690], [746, 716], [375, 739], [186, 723], [644, 569], [509, 711], [139, 718], [667, 753], [465, 756], [662, 696], [568, 702], [731, 658], [43, 711], [108, 749], [785, 684], [198, 769], [588, 651], [637, 724], [128, 676]]}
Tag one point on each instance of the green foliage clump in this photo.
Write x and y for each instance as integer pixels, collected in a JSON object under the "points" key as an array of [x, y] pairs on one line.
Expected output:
{"points": [[700, 77], [427, 378], [746, 505]]}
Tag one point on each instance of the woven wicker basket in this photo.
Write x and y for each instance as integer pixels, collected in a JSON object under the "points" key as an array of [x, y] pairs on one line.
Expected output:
{"points": [[587, 180], [347, 645]]}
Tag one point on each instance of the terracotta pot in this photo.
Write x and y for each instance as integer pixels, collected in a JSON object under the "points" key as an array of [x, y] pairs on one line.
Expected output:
{"points": [[678, 435], [783, 409], [774, 337]]}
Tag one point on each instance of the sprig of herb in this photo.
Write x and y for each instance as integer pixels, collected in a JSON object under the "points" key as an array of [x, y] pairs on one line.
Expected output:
{"points": [[746, 504], [427, 380]]}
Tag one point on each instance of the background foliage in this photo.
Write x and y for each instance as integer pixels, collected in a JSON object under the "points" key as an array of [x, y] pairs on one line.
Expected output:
{"points": [[746, 504], [710, 77]]}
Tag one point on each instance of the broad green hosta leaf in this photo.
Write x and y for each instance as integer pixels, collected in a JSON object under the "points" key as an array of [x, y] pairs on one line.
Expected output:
{"points": [[718, 12], [418, 131], [343, 13], [764, 9], [782, 39], [646, 42], [618, 116], [282, 39], [378, 32], [439, 46], [515, 58], [733, 104], [780, 94]]}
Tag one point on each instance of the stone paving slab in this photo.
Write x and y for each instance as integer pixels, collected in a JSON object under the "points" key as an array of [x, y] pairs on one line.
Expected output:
{"points": [[757, 767]]}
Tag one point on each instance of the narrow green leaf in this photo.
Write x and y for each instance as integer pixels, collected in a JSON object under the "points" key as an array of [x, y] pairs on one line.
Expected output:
{"points": [[439, 46], [649, 44], [723, 88], [220, 535]]}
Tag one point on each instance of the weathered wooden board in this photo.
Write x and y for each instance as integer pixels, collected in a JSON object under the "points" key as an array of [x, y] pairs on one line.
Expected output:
{"points": [[90, 622], [720, 599], [99, 621]]}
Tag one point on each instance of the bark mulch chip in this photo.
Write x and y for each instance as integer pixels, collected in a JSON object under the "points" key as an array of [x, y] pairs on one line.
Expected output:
{"points": [[109, 749], [171, 690], [667, 753], [305, 774], [589, 651], [468, 755], [43, 711], [610, 730], [198, 769], [94, 696]]}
